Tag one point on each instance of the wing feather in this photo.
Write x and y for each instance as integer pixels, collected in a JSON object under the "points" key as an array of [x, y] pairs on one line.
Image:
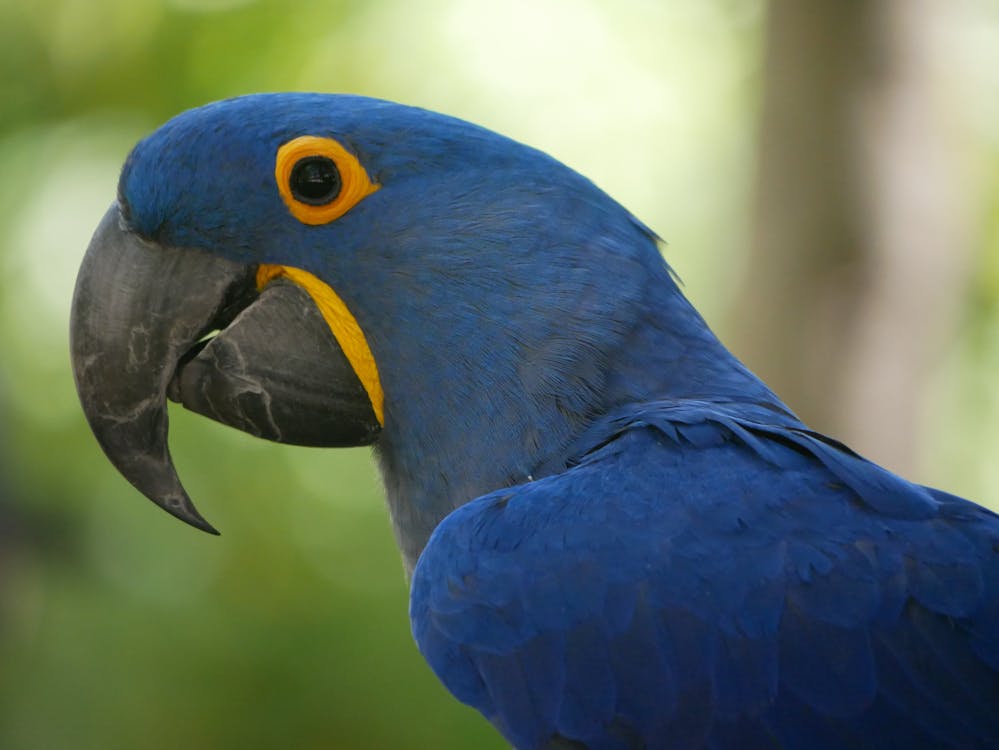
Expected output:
{"points": [[701, 581]]}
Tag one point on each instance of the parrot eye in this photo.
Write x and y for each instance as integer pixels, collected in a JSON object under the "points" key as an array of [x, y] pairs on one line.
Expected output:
{"points": [[320, 180], [315, 180]]}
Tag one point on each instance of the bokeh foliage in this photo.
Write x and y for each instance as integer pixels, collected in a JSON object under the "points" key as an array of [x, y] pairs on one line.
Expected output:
{"points": [[119, 628]]}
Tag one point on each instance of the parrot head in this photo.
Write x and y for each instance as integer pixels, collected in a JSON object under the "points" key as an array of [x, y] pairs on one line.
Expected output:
{"points": [[338, 271]]}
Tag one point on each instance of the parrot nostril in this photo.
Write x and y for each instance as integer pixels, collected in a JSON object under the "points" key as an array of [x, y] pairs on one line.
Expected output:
{"points": [[125, 209]]}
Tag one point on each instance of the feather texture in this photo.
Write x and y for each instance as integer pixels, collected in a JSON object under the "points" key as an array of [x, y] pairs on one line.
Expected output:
{"points": [[698, 579]]}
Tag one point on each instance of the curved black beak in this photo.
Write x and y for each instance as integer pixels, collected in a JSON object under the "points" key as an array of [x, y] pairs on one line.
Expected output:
{"points": [[141, 329]]}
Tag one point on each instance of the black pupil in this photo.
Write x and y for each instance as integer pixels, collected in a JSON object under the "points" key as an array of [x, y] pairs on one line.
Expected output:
{"points": [[315, 180]]}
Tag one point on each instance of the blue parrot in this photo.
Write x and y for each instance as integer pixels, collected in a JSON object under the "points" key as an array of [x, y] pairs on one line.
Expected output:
{"points": [[617, 536]]}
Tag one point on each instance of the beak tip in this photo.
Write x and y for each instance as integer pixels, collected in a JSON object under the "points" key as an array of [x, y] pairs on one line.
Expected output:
{"points": [[181, 507], [202, 525], [194, 519]]}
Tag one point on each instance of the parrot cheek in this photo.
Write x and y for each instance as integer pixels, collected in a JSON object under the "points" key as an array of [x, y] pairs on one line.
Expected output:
{"points": [[139, 327]]}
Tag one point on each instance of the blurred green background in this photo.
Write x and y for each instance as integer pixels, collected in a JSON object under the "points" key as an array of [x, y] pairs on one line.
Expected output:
{"points": [[714, 121]]}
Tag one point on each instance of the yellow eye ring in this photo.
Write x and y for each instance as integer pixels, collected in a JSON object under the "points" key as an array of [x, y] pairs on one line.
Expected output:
{"points": [[319, 180]]}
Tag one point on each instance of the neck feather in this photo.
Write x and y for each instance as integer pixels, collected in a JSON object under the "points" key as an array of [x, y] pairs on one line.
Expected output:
{"points": [[517, 421]]}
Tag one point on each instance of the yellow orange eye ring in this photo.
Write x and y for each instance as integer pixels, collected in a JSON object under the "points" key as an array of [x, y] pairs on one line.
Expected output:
{"points": [[319, 180]]}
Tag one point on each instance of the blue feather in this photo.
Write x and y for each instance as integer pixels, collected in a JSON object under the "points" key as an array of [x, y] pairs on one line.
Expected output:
{"points": [[764, 589]]}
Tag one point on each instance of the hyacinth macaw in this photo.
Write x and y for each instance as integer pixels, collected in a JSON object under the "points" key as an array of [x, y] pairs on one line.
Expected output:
{"points": [[617, 536]]}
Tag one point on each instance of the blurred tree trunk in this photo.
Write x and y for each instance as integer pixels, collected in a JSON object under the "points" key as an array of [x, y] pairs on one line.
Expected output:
{"points": [[858, 255]]}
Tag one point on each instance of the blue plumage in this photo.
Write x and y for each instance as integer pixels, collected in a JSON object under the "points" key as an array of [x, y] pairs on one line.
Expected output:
{"points": [[619, 538], [701, 579]]}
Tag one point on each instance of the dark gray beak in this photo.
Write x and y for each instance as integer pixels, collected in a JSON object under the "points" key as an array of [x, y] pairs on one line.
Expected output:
{"points": [[150, 322]]}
